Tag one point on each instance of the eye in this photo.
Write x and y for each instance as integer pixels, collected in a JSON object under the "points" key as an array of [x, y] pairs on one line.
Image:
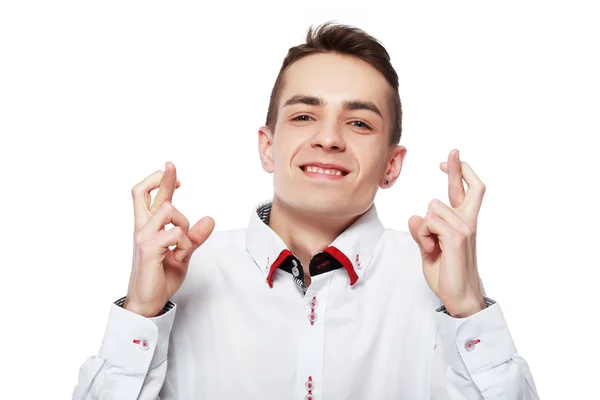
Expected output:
{"points": [[361, 124], [302, 118]]}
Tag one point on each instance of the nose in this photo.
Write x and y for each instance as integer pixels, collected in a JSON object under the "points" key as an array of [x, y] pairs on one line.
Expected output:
{"points": [[329, 138]]}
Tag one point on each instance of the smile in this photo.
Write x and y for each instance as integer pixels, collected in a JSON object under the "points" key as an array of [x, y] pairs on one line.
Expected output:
{"points": [[323, 173]]}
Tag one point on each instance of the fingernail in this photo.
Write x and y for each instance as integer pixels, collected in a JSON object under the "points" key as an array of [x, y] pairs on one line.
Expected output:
{"points": [[456, 156]]}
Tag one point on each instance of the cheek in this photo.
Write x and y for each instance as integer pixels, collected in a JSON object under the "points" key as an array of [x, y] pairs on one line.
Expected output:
{"points": [[278, 151], [284, 151], [372, 164]]}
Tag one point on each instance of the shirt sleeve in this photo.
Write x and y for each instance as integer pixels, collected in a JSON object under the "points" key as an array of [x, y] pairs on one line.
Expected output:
{"points": [[475, 358], [132, 360]]}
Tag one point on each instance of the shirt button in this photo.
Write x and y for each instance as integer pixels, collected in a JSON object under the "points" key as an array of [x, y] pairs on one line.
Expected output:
{"points": [[470, 344], [309, 397], [312, 317], [144, 345], [309, 386], [314, 304]]}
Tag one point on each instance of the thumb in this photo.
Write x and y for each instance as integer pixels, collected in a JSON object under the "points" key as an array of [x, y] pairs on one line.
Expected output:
{"points": [[418, 231], [199, 233]]}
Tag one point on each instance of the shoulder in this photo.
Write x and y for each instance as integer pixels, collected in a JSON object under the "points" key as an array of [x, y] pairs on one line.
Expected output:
{"points": [[404, 262], [220, 239], [219, 243], [400, 240], [221, 248]]}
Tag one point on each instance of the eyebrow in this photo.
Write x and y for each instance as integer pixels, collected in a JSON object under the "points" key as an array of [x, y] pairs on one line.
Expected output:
{"points": [[347, 104]]}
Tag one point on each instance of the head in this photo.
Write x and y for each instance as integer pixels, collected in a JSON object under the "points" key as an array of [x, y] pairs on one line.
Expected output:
{"points": [[334, 123]]}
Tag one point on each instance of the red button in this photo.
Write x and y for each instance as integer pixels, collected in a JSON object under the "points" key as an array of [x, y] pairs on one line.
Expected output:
{"points": [[470, 344], [144, 345]]}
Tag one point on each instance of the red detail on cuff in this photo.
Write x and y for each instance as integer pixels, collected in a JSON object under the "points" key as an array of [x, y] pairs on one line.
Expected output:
{"points": [[476, 341], [341, 257], [285, 253], [136, 341]]}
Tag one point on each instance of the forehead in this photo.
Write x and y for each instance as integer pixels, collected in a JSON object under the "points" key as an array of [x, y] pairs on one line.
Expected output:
{"points": [[336, 78]]}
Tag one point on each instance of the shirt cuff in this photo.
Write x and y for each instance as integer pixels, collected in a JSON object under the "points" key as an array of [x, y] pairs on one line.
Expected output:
{"points": [[166, 308], [488, 302], [135, 342], [480, 341]]}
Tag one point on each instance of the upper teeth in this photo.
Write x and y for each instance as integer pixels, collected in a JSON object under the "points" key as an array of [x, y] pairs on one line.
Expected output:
{"points": [[323, 171]]}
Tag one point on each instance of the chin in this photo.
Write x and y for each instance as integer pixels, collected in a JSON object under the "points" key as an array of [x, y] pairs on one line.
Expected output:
{"points": [[332, 202], [324, 206]]}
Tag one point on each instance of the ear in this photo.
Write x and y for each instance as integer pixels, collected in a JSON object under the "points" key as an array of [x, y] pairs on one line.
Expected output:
{"points": [[396, 156], [265, 148]]}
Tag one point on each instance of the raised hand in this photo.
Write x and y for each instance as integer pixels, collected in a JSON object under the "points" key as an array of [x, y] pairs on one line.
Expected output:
{"points": [[446, 238], [158, 272]]}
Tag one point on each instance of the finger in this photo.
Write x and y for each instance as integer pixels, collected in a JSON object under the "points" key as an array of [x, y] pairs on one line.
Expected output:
{"points": [[474, 196], [148, 196], [427, 235], [172, 237], [139, 193], [439, 227], [448, 215], [472, 181], [166, 214], [456, 190], [184, 245], [422, 237], [166, 188], [198, 235]]}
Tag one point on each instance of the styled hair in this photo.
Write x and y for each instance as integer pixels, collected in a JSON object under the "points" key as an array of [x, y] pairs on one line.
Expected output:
{"points": [[345, 40]]}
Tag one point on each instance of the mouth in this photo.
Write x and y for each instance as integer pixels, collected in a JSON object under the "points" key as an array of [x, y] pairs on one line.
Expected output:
{"points": [[327, 171]]}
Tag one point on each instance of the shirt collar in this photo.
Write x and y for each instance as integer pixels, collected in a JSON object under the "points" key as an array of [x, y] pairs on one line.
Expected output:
{"points": [[354, 248]]}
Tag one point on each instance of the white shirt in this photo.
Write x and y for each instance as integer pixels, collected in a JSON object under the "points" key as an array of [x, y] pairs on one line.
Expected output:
{"points": [[368, 327]]}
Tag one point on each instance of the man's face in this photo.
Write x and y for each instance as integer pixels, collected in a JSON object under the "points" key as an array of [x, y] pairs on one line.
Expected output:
{"points": [[330, 150]]}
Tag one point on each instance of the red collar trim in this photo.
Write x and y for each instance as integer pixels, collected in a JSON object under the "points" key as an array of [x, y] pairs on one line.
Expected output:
{"points": [[341, 257], [331, 250], [285, 253]]}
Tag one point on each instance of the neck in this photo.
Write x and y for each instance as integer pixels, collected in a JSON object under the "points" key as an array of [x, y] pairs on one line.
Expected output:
{"points": [[304, 233]]}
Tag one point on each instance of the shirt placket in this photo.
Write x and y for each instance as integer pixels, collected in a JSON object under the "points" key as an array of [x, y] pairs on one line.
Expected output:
{"points": [[311, 343]]}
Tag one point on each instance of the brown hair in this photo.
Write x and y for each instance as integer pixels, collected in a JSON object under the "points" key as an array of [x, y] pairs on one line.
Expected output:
{"points": [[346, 40]]}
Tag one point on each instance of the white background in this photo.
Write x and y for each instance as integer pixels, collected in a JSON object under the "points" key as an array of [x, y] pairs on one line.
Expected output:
{"points": [[96, 96]]}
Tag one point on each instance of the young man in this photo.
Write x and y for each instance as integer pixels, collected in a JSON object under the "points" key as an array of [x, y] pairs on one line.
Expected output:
{"points": [[315, 299]]}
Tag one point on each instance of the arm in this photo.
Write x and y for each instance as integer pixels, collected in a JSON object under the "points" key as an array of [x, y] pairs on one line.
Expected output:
{"points": [[475, 358], [132, 361]]}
